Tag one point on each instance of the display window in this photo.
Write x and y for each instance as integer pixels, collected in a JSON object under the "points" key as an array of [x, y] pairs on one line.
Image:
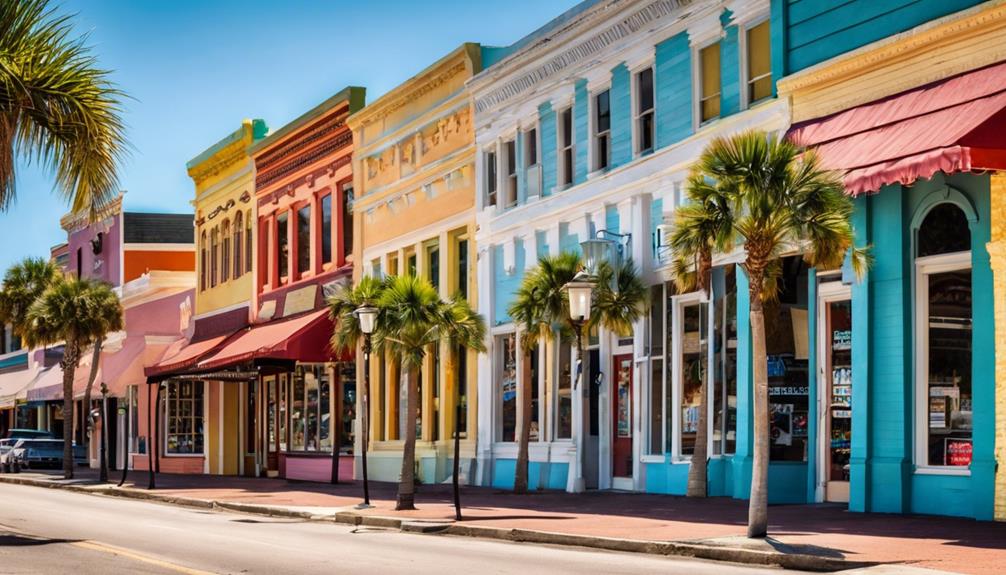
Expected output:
{"points": [[786, 344], [183, 413], [506, 349]]}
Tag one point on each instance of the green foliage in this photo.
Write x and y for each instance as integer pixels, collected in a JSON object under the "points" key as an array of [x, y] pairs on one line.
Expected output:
{"points": [[57, 108], [617, 309], [342, 308], [23, 283], [77, 311]]}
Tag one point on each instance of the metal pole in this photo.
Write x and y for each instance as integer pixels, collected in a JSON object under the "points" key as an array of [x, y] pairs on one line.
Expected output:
{"points": [[103, 443], [365, 432], [150, 441]]}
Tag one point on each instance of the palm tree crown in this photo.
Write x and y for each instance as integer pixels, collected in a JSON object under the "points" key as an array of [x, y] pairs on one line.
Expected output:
{"points": [[342, 308], [77, 311], [23, 283], [57, 107]]}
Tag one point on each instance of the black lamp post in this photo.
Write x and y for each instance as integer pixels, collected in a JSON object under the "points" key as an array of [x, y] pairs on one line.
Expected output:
{"points": [[103, 442], [367, 316]]}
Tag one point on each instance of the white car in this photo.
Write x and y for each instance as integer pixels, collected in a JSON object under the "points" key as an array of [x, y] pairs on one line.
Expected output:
{"points": [[12, 455]]}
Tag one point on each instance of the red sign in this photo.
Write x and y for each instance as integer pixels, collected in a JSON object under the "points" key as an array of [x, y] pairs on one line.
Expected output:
{"points": [[958, 452]]}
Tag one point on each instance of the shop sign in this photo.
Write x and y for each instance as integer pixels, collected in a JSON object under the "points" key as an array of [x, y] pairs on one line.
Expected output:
{"points": [[958, 451], [788, 390]]}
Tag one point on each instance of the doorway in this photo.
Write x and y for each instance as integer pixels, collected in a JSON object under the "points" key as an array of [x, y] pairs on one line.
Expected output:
{"points": [[272, 418], [621, 444], [835, 391]]}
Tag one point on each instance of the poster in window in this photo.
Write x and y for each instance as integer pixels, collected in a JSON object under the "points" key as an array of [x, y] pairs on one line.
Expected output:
{"points": [[958, 451], [624, 402], [782, 423]]}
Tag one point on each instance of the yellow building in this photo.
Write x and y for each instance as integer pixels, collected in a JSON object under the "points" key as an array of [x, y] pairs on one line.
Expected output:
{"points": [[225, 262], [414, 212]]}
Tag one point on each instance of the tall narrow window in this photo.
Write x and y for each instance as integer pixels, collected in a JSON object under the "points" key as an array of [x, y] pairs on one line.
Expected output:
{"points": [[564, 395], [304, 240], [347, 220], [602, 130], [248, 241], [566, 165], [490, 172], [410, 262], [709, 82], [433, 265], [183, 413], [463, 267], [214, 255], [326, 229], [80, 262], [238, 244], [225, 251], [510, 199], [533, 171], [461, 412], [944, 342], [644, 111], [759, 54], [506, 346], [283, 244], [204, 263], [657, 388]]}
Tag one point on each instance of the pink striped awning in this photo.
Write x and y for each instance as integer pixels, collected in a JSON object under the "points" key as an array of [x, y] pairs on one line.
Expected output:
{"points": [[953, 125]]}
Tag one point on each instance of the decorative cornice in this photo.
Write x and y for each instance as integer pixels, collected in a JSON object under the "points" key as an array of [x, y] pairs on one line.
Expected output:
{"points": [[296, 153], [579, 52], [379, 110], [290, 189], [79, 220]]}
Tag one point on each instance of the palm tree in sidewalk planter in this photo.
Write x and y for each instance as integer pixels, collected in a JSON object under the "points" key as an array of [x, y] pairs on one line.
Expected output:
{"points": [[412, 320], [57, 107], [769, 197], [77, 312], [541, 309]]}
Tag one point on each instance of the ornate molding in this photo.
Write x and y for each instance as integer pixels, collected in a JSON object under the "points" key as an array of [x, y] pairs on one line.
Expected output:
{"points": [[297, 159], [273, 162], [290, 189], [377, 110], [74, 221], [579, 52]]}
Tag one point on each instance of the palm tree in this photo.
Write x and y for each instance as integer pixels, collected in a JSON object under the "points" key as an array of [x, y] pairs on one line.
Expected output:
{"points": [[700, 229], [768, 196], [77, 312], [342, 308], [23, 283], [461, 327], [57, 107]]}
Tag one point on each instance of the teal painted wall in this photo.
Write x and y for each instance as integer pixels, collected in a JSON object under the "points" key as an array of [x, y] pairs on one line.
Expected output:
{"points": [[621, 116], [568, 242], [859, 484], [506, 285], [673, 88], [540, 475], [541, 240], [580, 125], [812, 384], [611, 218], [741, 461], [821, 29], [730, 68], [656, 218], [546, 129]]}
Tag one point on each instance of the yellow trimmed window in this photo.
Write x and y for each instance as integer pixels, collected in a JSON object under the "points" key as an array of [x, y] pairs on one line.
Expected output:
{"points": [[709, 81], [759, 54]]}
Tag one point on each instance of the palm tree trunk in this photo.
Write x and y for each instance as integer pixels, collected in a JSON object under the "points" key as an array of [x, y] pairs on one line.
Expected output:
{"points": [[758, 505], [698, 471], [456, 379], [524, 438], [407, 484], [70, 357], [95, 355]]}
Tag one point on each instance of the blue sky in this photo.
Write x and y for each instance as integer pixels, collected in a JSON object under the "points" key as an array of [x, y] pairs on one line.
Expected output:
{"points": [[196, 69]]}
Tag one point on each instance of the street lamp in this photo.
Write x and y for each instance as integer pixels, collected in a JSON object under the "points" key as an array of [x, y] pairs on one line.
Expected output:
{"points": [[581, 292], [367, 317]]}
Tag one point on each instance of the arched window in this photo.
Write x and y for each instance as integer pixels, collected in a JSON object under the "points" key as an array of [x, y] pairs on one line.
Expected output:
{"points": [[203, 263], [214, 255], [943, 345], [248, 241], [238, 244], [225, 251]]}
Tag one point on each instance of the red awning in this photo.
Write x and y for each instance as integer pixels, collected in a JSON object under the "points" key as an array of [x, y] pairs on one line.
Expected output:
{"points": [[301, 338], [183, 356], [954, 125]]}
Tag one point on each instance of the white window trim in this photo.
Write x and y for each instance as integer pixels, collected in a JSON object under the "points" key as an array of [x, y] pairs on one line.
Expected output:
{"points": [[924, 266], [498, 380], [556, 366], [592, 152], [494, 149], [680, 301], [503, 202], [560, 172], [634, 101], [536, 126], [649, 455], [164, 416], [697, 121], [742, 46]]}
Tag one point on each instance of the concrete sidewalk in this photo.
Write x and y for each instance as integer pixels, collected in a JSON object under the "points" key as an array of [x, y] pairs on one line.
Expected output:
{"points": [[819, 537]]}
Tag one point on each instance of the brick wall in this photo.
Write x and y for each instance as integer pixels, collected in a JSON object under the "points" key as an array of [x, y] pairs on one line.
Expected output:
{"points": [[997, 253]]}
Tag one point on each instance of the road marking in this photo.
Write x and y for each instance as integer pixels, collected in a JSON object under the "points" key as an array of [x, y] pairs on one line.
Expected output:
{"points": [[104, 548]]}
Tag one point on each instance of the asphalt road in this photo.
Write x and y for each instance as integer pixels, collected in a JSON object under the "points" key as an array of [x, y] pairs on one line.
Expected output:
{"points": [[53, 531]]}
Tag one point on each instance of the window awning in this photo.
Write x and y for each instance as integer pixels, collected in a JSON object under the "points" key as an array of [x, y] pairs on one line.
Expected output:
{"points": [[301, 338], [13, 384], [183, 356], [47, 385], [954, 125]]}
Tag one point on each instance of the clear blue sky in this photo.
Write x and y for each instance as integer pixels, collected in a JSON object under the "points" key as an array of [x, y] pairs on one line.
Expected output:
{"points": [[195, 69]]}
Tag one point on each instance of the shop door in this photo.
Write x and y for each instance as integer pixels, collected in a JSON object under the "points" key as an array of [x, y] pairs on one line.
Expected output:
{"points": [[272, 425], [836, 392], [621, 449]]}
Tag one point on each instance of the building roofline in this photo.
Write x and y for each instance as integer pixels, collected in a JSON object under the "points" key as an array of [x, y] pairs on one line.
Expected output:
{"points": [[258, 131], [354, 95]]}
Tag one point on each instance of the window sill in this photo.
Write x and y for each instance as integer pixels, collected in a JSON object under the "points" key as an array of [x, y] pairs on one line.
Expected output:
{"points": [[959, 472], [326, 454], [651, 459], [182, 455]]}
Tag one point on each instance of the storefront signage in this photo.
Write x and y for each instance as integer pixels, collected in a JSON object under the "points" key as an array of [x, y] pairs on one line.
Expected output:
{"points": [[841, 339], [300, 300], [958, 451], [787, 390]]}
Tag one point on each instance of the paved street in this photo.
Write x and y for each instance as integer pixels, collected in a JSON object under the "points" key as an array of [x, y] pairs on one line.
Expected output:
{"points": [[52, 531]]}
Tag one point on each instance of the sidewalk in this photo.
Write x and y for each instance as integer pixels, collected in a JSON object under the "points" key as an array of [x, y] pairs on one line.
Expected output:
{"points": [[828, 531]]}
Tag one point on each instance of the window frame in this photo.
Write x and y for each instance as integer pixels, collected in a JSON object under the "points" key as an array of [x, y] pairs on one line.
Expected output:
{"points": [[745, 68], [563, 172], [674, 421], [648, 454], [596, 135], [532, 133], [498, 375], [326, 371], [510, 185], [225, 251], [697, 82], [491, 174], [214, 255], [199, 415], [638, 114], [238, 244]]}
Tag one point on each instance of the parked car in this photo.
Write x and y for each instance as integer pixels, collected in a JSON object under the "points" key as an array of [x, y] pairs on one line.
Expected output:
{"points": [[12, 455], [29, 434], [41, 453]]}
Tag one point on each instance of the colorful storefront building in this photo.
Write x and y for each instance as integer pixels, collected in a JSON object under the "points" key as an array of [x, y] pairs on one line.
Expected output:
{"points": [[414, 214]]}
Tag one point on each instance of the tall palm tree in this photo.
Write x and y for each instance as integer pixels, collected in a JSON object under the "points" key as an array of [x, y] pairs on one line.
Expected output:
{"points": [[23, 283], [700, 229], [768, 196], [77, 312], [342, 308], [57, 107]]}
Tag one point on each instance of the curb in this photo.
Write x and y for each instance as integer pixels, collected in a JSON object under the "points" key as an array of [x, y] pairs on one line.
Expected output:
{"points": [[798, 561]]}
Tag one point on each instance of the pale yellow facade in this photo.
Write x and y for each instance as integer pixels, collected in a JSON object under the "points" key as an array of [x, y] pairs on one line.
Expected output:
{"points": [[414, 212], [225, 216]]}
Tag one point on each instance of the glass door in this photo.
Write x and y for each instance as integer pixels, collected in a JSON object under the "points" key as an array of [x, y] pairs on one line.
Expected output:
{"points": [[622, 408], [836, 391], [272, 424]]}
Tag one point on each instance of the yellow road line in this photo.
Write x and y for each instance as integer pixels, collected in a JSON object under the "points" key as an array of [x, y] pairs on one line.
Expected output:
{"points": [[95, 546]]}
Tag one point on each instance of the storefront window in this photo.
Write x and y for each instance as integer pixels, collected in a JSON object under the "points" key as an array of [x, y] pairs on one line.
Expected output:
{"points": [[786, 345], [564, 395], [132, 400], [534, 435], [304, 239], [346, 371], [183, 412], [283, 245], [945, 318], [506, 346], [462, 375], [657, 389], [724, 398], [284, 395], [310, 401], [694, 359]]}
